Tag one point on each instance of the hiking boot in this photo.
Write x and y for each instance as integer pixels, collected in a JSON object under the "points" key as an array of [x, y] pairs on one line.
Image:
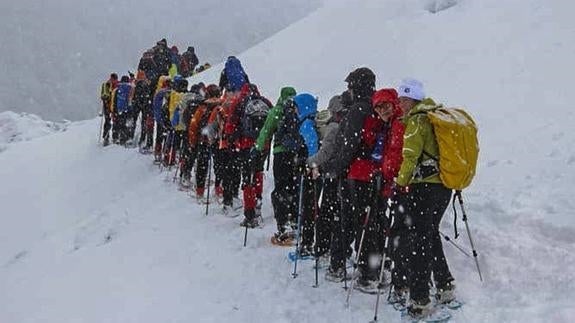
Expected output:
{"points": [[200, 195], [249, 223], [306, 251], [185, 182], [106, 142], [336, 275], [283, 238], [219, 191], [420, 309], [366, 285], [445, 294], [398, 296], [258, 207]]}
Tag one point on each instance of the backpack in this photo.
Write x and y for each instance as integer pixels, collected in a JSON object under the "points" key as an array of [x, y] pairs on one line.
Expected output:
{"points": [[288, 132], [253, 117], [235, 74], [123, 97], [456, 135]]}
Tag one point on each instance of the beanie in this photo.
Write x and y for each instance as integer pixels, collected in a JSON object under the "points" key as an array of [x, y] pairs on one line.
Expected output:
{"points": [[411, 88]]}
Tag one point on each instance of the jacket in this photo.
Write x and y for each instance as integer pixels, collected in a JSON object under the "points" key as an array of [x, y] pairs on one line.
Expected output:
{"points": [[306, 109], [272, 121], [418, 137]]}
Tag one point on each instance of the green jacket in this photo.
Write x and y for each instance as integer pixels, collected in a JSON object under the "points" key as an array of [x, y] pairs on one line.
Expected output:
{"points": [[418, 137], [273, 120]]}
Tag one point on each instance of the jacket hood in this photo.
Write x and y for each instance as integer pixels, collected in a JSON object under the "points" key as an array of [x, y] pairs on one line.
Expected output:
{"points": [[286, 93], [306, 105], [387, 95], [423, 106], [335, 104]]}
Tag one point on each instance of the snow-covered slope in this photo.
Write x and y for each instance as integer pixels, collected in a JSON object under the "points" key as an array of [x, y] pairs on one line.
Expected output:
{"points": [[54, 55], [98, 235]]}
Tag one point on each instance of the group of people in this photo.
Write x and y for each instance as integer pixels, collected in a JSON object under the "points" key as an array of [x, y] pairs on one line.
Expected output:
{"points": [[345, 178], [125, 99]]}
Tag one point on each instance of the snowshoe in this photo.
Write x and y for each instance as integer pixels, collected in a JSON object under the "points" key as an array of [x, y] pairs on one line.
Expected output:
{"points": [[305, 253], [367, 286], [228, 211], [424, 311], [284, 239], [249, 223], [335, 275]]}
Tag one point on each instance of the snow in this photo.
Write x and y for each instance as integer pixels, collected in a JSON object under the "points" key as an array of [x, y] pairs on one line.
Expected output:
{"points": [[91, 234], [16, 127]]}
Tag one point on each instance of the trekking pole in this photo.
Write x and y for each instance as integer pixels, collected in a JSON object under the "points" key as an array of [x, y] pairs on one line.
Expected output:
{"points": [[448, 239], [299, 216], [252, 174], [385, 249], [460, 198], [315, 216], [209, 178], [101, 132], [365, 223]]}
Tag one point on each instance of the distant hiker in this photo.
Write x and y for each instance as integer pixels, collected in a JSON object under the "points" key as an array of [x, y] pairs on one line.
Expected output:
{"points": [[175, 59], [143, 106], [426, 202], [158, 102], [188, 62], [148, 67], [331, 202], [173, 116], [106, 96], [233, 76], [162, 57], [282, 197], [121, 108]]}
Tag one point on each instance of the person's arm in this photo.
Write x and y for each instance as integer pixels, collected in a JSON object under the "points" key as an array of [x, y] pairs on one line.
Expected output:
{"points": [[412, 149]]}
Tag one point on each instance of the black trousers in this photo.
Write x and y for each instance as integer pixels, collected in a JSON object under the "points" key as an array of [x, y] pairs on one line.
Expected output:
{"points": [[219, 164], [203, 160], [230, 175], [120, 132], [425, 206], [330, 206], [348, 227], [107, 119], [147, 129], [284, 195]]}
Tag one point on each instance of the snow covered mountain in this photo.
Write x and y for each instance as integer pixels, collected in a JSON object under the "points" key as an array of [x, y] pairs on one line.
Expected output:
{"points": [[100, 235], [54, 55]]}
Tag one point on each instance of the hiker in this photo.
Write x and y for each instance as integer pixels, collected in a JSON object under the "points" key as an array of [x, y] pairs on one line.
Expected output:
{"points": [[282, 196], [233, 76], [330, 205], [361, 85], [163, 88], [106, 97], [121, 108], [188, 62], [426, 201], [246, 119]]}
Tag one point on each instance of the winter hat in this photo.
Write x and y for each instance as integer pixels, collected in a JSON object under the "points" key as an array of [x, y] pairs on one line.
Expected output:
{"points": [[361, 78], [384, 95], [334, 106], [114, 76], [411, 88], [125, 79]]}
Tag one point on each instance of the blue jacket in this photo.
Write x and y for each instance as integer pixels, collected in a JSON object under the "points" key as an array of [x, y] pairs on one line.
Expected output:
{"points": [[123, 92], [307, 108]]}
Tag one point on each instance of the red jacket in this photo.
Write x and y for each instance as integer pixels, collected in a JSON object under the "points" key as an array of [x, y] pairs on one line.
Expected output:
{"points": [[362, 168]]}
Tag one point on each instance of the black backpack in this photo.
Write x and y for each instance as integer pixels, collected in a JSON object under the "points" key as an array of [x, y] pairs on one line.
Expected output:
{"points": [[254, 116], [288, 132]]}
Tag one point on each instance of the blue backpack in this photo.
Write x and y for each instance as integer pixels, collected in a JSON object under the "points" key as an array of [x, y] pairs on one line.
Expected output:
{"points": [[235, 74], [123, 97]]}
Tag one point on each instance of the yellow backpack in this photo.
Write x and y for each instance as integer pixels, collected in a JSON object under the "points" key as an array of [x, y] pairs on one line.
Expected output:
{"points": [[456, 135]]}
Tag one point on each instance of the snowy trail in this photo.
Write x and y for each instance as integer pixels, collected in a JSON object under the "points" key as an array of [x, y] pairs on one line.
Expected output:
{"points": [[138, 250], [91, 234]]}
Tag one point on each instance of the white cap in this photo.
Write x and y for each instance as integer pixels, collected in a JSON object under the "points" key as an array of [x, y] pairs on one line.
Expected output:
{"points": [[412, 89]]}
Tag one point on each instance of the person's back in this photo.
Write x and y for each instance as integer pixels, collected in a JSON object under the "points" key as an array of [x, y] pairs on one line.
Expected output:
{"points": [[233, 76]]}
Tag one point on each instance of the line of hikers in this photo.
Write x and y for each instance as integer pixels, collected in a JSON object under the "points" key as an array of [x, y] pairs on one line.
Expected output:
{"points": [[365, 169]]}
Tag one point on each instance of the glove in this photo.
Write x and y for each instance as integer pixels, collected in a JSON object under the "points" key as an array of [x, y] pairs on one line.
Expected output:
{"points": [[255, 154], [398, 189]]}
